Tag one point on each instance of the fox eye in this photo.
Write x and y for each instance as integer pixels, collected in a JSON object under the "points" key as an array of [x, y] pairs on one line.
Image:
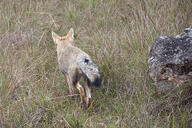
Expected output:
{"points": [[86, 61]]}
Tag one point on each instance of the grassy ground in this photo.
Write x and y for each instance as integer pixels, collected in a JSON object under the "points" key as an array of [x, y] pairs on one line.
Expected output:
{"points": [[116, 33]]}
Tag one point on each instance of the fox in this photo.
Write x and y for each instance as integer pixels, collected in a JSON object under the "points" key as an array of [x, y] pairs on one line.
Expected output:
{"points": [[76, 64]]}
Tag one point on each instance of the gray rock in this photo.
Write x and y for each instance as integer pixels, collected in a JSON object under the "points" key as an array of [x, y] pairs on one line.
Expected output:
{"points": [[170, 60]]}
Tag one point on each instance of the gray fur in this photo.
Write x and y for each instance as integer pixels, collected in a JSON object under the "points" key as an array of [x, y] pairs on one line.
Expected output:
{"points": [[88, 67]]}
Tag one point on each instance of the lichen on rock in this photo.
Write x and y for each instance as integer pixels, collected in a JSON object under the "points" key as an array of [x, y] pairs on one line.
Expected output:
{"points": [[170, 60]]}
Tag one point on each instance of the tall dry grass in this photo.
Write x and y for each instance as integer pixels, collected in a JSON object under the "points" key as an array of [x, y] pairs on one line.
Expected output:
{"points": [[116, 33]]}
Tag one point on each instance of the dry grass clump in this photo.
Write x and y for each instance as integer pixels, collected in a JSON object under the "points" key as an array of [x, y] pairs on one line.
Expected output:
{"points": [[116, 33]]}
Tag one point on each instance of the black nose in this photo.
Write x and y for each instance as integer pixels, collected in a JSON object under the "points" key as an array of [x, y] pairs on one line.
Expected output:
{"points": [[97, 82]]}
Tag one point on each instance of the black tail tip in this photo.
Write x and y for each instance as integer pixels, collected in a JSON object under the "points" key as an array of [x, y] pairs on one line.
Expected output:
{"points": [[97, 82]]}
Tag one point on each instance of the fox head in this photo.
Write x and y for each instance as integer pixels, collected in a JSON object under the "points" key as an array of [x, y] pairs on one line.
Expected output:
{"points": [[90, 70], [69, 38], [93, 74]]}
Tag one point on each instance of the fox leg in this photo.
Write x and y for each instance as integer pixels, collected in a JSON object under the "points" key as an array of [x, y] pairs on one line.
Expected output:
{"points": [[71, 91], [75, 76], [88, 92], [81, 91]]}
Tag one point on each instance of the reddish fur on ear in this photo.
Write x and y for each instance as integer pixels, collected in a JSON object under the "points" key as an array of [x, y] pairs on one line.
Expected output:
{"points": [[70, 35], [55, 37]]}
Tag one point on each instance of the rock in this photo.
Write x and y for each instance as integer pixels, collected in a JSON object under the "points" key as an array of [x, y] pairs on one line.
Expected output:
{"points": [[170, 60]]}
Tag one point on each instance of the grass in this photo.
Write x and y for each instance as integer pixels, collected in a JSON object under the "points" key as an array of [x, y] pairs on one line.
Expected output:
{"points": [[117, 34]]}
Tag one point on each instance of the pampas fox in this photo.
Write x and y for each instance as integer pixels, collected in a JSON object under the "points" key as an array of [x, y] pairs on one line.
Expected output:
{"points": [[75, 63]]}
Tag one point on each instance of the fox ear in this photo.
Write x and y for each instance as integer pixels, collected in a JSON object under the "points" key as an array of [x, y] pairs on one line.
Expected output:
{"points": [[55, 37], [70, 35]]}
